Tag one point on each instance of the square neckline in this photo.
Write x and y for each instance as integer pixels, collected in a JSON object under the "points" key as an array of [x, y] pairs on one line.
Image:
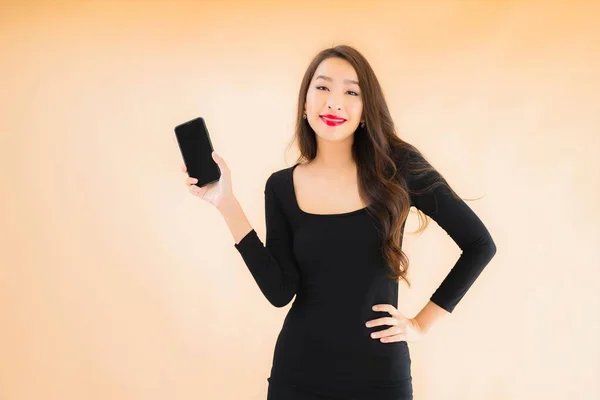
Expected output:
{"points": [[297, 206]]}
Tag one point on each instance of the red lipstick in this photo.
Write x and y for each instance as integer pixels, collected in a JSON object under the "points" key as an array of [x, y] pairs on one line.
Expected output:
{"points": [[332, 120]]}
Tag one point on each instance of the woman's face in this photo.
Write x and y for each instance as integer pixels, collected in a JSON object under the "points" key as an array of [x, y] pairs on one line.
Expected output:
{"points": [[332, 91]]}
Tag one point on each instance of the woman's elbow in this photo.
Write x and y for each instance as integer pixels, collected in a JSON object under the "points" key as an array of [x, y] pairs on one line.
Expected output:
{"points": [[489, 248], [281, 300], [285, 293], [483, 247]]}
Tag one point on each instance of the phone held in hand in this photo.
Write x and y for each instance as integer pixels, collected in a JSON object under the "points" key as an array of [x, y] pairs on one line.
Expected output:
{"points": [[196, 149]]}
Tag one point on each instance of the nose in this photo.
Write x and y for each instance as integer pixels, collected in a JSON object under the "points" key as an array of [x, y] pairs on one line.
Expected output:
{"points": [[333, 101]]}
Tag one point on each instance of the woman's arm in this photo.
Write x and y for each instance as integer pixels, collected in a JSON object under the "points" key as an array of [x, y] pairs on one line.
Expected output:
{"points": [[272, 265], [236, 220], [429, 316], [468, 232]]}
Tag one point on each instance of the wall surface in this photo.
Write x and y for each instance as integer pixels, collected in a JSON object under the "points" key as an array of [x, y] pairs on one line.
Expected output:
{"points": [[117, 283]]}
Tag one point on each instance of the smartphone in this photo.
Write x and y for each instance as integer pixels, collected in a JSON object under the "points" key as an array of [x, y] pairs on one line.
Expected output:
{"points": [[196, 150]]}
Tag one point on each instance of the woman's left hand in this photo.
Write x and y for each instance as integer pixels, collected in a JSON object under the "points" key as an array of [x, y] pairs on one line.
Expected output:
{"points": [[402, 328]]}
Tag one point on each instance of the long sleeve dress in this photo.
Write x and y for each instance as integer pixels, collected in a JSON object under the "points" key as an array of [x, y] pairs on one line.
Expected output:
{"points": [[333, 264]]}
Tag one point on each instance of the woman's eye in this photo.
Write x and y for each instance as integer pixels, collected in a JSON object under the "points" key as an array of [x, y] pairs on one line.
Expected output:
{"points": [[351, 91]]}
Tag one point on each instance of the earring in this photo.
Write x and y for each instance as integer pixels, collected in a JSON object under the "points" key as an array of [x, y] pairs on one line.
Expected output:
{"points": [[304, 116], [362, 124]]}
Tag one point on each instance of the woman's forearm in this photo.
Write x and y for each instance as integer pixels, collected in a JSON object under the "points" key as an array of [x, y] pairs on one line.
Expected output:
{"points": [[236, 220], [429, 315]]}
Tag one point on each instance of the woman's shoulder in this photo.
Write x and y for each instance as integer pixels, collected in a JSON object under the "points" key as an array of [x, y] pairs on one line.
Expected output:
{"points": [[406, 159], [277, 180], [415, 168]]}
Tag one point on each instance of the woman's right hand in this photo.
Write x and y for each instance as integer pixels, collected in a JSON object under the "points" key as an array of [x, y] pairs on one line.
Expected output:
{"points": [[216, 193]]}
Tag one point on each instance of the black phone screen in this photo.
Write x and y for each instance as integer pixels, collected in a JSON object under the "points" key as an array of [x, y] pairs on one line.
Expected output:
{"points": [[196, 150]]}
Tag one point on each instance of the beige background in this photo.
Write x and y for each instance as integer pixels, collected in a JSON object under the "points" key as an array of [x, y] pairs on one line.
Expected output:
{"points": [[117, 283]]}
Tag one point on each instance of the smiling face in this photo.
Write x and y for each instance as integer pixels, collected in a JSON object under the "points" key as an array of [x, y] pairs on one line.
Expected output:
{"points": [[334, 91]]}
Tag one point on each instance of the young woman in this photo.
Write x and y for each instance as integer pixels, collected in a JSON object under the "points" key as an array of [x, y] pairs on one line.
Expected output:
{"points": [[334, 229]]}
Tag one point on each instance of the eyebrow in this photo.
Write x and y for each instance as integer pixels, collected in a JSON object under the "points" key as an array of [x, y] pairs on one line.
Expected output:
{"points": [[327, 78]]}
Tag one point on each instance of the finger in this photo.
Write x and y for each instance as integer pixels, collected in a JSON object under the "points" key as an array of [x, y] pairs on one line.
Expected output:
{"points": [[190, 181], [394, 330], [392, 310], [400, 317], [198, 191], [383, 321], [183, 168], [385, 307], [395, 338], [220, 162]]}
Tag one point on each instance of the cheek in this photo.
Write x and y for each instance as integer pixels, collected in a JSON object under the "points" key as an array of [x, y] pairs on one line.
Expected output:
{"points": [[313, 99], [355, 108]]}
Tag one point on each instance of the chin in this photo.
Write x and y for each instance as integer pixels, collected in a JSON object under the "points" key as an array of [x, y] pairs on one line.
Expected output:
{"points": [[334, 136]]}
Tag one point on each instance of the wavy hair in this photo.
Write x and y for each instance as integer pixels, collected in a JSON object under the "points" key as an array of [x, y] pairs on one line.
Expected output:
{"points": [[385, 163]]}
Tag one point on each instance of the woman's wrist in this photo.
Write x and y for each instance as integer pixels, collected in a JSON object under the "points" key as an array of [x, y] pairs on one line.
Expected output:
{"points": [[234, 217], [228, 204]]}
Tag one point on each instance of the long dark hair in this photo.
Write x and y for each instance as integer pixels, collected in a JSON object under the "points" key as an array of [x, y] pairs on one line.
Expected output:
{"points": [[385, 162]]}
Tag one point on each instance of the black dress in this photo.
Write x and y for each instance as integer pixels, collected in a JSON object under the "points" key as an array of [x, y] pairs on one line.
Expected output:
{"points": [[334, 265]]}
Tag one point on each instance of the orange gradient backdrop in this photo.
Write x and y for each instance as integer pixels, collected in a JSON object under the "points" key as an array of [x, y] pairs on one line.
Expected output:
{"points": [[117, 283]]}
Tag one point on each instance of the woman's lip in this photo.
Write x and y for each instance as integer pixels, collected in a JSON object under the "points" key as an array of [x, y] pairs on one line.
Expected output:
{"points": [[331, 122]]}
